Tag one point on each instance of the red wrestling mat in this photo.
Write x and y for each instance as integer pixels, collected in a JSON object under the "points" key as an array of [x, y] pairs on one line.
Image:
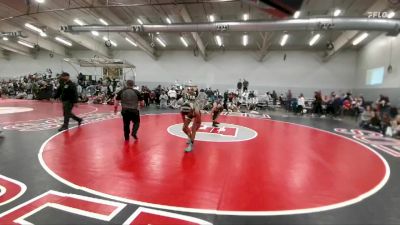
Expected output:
{"points": [[38, 110], [246, 167]]}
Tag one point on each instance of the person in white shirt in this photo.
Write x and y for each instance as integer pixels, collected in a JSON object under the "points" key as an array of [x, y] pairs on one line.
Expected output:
{"points": [[202, 99], [172, 96], [163, 100], [301, 103], [79, 90]]}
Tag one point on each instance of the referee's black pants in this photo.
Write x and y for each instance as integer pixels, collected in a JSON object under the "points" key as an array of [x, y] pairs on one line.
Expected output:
{"points": [[67, 108], [129, 115]]}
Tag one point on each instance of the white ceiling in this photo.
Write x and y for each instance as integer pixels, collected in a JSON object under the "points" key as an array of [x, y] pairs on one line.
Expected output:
{"points": [[157, 11]]}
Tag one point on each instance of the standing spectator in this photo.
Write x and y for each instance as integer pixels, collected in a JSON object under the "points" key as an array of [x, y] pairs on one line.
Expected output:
{"points": [[274, 97], [69, 96], [288, 100], [130, 99], [245, 85], [146, 96], [157, 91], [301, 104], [202, 99], [239, 86], [318, 103], [79, 90]]}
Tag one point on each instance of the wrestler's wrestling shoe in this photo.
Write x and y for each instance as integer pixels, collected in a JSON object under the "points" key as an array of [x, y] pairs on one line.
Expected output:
{"points": [[189, 148]]}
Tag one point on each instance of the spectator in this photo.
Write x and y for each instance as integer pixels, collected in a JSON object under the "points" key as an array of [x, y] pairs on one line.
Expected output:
{"points": [[301, 104], [366, 117], [172, 96], [163, 100], [239, 86], [245, 85], [375, 123], [318, 103]]}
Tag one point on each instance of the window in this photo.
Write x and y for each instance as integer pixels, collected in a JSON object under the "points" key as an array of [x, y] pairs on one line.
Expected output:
{"points": [[375, 76]]}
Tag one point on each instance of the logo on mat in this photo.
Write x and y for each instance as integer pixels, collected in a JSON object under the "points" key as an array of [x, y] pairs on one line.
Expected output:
{"points": [[223, 133]]}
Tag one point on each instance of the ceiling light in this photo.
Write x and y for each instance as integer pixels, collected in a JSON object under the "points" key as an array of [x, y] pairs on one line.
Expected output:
{"points": [[63, 41], [184, 42], [130, 41], [103, 22], [5, 38], [79, 22], [32, 27], [245, 16], [285, 37], [140, 21], [391, 14], [337, 12], [168, 20], [211, 18], [245, 40], [43, 34], [29, 45], [360, 38], [105, 38], [95, 33], [113, 43], [296, 14], [161, 42], [219, 40], [40, 1], [314, 39]]}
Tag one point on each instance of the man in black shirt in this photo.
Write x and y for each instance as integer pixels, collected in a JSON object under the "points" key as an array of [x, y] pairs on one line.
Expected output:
{"points": [[69, 96], [130, 99]]}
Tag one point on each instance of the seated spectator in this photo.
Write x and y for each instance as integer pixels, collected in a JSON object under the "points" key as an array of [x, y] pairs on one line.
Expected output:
{"points": [[163, 100], [375, 123], [366, 117], [383, 104], [301, 104], [358, 105], [21, 95], [385, 124], [396, 127]]}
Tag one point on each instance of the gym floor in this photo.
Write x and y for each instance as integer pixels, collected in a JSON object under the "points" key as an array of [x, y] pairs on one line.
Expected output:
{"points": [[268, 168]]}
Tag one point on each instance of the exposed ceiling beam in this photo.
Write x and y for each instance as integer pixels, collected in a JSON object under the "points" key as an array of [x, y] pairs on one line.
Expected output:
{"points": [[308, 24], [44, 43], [112, 4], [54, 22], [114, 18], [266, 43], [345, 38], [16, 48], [199, 43], [3, 54]]}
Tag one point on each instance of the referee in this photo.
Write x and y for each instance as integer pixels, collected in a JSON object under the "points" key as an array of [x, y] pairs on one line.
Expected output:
{"points": [[69, 96], [129, 98]]}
